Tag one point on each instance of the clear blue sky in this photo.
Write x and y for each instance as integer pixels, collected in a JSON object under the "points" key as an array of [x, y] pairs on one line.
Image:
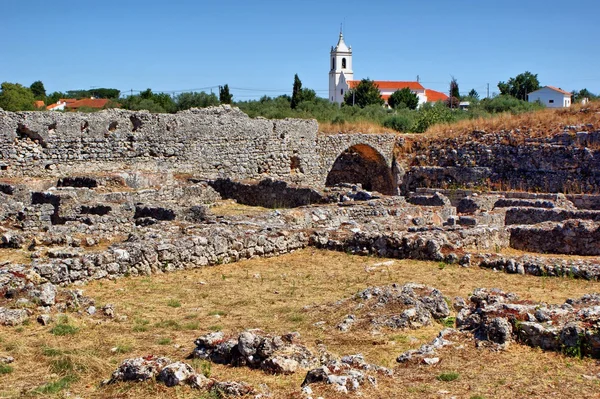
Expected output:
{"points": [[260, 45]]}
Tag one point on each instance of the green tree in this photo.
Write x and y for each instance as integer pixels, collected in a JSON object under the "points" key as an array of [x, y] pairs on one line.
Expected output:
{"points": [[366, 93], [581, 94], [520, 85], [38, 90], [296, 92], [53, 97], [454, 92], [403, 99], [102, 92], [473, 94], [15, 97], [224, 96], [308, 95], [195, 100]]}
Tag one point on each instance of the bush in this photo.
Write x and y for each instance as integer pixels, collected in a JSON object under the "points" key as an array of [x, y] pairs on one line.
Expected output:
{"points": [[5, 369], [506, 103], [64, 329], [400, 123], [447, 377]]}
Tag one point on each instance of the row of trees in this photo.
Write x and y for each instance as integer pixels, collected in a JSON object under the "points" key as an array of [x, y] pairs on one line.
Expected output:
{"points": [[361, 103]]}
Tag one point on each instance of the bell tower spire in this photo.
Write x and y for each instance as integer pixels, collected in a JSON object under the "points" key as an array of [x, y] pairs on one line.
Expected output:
{"points": [[340, 71]]}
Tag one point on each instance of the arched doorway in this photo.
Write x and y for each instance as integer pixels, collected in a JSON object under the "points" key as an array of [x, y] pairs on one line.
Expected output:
{"points": [[362, 164]]}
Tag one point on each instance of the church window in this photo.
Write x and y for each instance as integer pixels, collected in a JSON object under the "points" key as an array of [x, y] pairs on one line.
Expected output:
{"points": [[342, 92], [343, 63], [333, 63]]}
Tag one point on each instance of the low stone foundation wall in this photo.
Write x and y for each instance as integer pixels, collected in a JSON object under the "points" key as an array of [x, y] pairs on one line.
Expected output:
{"points": [[267, 193], [539, 215], [573, 237]]}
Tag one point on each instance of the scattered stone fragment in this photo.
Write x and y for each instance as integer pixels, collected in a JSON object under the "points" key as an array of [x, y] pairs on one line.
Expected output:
{"points": [[13, 317], [414, 305], [500, 318], [427, 351], [253, 348], [138, 369], [175, 373], [44, 319]]}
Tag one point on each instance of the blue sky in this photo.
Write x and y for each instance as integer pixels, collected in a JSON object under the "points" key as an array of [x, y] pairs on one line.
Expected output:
{"points": [[258, 46]]}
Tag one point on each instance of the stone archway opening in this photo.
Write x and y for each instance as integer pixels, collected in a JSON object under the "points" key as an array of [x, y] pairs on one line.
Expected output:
{"points": [[362, 164]]}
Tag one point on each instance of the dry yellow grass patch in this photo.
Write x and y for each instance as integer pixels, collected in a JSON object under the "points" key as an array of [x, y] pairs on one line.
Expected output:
{"points": [[15, 256], [165, 313], [232, 208], [543, 123], [353, 127]]}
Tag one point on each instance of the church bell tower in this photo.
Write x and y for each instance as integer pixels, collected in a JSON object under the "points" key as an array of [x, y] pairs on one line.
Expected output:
{"points": [[340, 70]]}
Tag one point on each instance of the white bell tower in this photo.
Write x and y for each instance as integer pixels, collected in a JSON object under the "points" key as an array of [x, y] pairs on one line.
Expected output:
{"points": [[340, 71]]}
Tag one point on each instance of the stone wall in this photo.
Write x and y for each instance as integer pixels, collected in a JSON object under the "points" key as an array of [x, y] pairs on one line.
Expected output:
{"points": [[211, 143], [561, 163]]}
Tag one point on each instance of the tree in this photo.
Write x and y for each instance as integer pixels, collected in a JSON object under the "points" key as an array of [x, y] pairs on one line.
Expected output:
{"points": [[38, 90], [15, 97], [224, 96], [195, 100], [296, 92], [102, 92], [454, 92], [473, 94], [403, 99], [581, 94], [366, 93], [520, 86], [53, 97], [308, 95]]}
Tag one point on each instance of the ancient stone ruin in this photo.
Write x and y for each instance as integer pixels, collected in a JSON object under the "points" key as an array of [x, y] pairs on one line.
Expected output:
{"points": [[120, 193]]}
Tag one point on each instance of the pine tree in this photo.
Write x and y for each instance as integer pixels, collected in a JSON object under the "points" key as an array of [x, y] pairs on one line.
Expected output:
{"points": [[224, 96], [38, 90], [296, 92]]}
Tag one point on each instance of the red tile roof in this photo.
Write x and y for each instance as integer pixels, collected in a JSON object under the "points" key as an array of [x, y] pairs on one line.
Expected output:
{"points": [[68, 100], [52, 106], [435, 96], [39, 104], [558, 90], [390, 85], [88, 102]]}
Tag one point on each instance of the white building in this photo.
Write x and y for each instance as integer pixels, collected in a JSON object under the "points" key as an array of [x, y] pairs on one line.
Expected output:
{"points": [[341, 79], [551, 97]]}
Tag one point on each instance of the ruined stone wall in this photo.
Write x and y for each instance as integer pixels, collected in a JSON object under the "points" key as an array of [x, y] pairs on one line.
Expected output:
{"points": [[217, 142], [563, 163]]}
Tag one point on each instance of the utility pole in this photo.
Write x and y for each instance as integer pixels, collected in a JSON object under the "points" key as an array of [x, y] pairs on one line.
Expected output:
{"points": [[417, 78]]}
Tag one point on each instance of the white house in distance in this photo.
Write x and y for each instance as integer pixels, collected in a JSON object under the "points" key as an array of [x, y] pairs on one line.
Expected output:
{"points": [[341, 79], [551, 97]]}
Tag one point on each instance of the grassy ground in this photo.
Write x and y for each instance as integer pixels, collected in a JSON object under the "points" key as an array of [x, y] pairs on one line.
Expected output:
{"points": [[165, 313]]}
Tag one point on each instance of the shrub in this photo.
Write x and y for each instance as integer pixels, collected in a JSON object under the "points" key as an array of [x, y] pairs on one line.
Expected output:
{"points": [[64, 329], [5, 369], [400, 123], [450, 376], [174, 303]]}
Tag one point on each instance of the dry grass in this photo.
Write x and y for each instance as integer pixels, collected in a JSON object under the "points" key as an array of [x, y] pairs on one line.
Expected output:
{"points": [[232, 208], [543, 123], [15, 256], [353, 127], [271, 294]]}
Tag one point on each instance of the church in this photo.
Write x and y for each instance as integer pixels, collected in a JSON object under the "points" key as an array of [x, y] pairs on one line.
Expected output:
{"points": [[341, 79]]}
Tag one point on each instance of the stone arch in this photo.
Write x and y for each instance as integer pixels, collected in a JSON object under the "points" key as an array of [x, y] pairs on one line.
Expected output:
{"points": [[362, 164]]}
